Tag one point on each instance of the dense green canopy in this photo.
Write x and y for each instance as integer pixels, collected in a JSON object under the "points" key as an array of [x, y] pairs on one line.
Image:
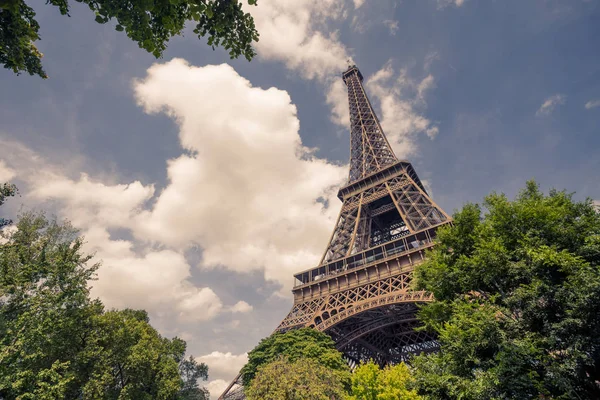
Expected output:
{"points": [[293, 345], [369, 382], [303, 379], [58, 343], [517, 310]]}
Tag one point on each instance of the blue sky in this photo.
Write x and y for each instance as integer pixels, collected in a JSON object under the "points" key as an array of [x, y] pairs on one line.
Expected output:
{"points": [[478, 95]]}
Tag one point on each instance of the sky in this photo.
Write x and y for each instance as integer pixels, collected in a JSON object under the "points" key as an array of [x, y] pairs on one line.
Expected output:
{"points": [[203, 183]]}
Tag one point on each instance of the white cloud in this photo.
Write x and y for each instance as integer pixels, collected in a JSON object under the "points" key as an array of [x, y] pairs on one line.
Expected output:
{"points": [[337, 98], [392, 26], [241, 307], [131, 273], [550, 104], [400, 97], [297, 33], [430, 58], [310, 47], [222, 368], [252, 188], [216, 388], [246, 193], [592, 104], [6, 174], [93, 203], [424, 86], [223, 365], [445, 3]]}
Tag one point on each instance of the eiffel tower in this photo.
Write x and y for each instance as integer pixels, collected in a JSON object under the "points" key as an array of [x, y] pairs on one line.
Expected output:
{"points": [[360, 293]]}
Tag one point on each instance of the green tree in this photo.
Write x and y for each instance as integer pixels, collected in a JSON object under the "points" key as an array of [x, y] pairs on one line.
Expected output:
{"points": [[45, 310], [150, 23], [516, 311], [303, 379], [6, 190], [56, 342], [191, 372], [128, 359], [369, 382], [293, 345], [365, 382]]}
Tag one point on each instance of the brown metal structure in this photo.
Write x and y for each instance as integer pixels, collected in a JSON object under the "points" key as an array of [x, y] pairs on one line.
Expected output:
{"points": [[360, 293]]}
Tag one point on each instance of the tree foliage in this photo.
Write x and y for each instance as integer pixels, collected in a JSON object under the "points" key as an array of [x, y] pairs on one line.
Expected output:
{"points": [[191, 372], [369, 382], [303, 379], [6, 190], [56, 342], [149, 23], [293, 345], [517, 310]]}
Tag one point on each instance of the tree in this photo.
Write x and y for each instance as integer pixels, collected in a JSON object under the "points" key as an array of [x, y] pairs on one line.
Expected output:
{"points": [[128, 359], [56, 342], [6, 190], [293, 345], [369, 382], [191, 372], [149, 23], [45, 311], [516, 311], [303, 379]]}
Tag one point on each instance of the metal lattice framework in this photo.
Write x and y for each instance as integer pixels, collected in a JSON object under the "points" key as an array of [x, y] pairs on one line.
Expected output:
{"points": [[369, 148], [361, 292]]}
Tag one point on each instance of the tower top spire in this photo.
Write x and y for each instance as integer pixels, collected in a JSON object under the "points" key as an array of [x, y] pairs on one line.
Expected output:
{"points": [[352, 69], [370, 150]]}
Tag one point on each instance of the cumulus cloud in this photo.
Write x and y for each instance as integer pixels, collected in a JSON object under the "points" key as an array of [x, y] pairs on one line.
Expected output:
{"points": [[247, 192], [241, 307], [92, 203], [6, 174], [311, 48], [131, 274], [216, 388], [297, 33], [222, 368], [592, 104], [550, 104], [400, 98], [337, 98], [154, 280], [251, 188], [223, 365]]}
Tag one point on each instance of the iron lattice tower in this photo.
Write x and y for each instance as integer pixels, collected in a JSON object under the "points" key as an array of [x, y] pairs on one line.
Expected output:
{"points": [[360, 292]]}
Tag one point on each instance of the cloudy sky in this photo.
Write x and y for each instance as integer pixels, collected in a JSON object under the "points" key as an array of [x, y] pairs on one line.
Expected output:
{"points": [[203, 183]]}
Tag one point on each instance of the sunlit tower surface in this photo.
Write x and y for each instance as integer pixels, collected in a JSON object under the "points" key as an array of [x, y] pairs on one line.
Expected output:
{"points": [[360, 293]]}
